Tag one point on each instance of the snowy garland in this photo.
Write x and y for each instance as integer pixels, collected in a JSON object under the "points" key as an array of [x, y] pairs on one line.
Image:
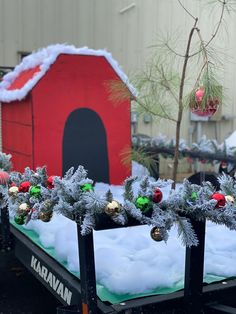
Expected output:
{"points": [[35, 195], [206, 150]]}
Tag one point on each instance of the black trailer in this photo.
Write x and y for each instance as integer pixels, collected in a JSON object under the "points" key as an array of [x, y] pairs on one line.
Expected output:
{"points": [[79, 295]]}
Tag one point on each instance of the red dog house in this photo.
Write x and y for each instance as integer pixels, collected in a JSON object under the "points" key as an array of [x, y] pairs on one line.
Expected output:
{"points": [[56, 111]]}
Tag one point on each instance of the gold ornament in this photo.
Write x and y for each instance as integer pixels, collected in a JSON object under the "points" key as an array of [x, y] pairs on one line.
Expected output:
{"points": [[13, 191], [45, 217], [113, 208], [156, 234], [23, 209], [229, 199], [47, 205]]}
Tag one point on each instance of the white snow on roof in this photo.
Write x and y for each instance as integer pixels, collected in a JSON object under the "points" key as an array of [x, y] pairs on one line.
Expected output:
{"points": [[44, 58]]}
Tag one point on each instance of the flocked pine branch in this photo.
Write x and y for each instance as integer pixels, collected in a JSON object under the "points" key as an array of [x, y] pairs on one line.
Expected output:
{"points": [[5, 161], [186, 232], [190, 202]]}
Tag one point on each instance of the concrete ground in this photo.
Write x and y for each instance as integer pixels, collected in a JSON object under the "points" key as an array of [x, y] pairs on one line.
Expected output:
{"points": [[20, 292]]}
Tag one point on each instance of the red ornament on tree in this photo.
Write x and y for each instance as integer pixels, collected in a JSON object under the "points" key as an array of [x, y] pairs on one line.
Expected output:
{"points": [[199, 95], [220, 198], [24, 187], [50, 184], [210, 107], [157, 195], [4, 177]]}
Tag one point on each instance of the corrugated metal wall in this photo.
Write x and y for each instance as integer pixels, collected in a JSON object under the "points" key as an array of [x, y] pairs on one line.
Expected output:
{"points": [[126, 28]]}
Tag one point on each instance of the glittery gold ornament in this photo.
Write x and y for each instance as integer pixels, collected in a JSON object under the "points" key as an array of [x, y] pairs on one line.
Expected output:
{"points": [[23, 209], [13, 191], [229, 199], [47, 206], [156, 234], [113, 208], [45, 217]]}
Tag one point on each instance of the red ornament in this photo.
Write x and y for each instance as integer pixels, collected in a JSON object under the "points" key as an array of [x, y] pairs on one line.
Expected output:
{"points": [[4, 177], [204, 111], [189, 160], [199, 94], [24, 187], [50, 184], [220, 198], [157, 196]]}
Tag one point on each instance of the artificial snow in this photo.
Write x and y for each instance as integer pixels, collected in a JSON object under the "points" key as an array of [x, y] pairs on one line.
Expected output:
{"points": [[44, 58], [128, 261]]}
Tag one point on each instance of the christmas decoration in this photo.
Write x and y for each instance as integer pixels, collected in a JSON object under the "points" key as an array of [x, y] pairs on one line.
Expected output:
{"points": [[4, 177], [156, 234], [24, 187], [199, 94], [47, 205], [157, 196], [113, 208], [50, 184], [209, 110], [144, 204], [35, 191], [87, 209], [206, 150], [23, 209], [87, 187], [193, 196], [13, 191], [45, 216], [204, 110], [19, 220], [229, 199], [220, 198]]}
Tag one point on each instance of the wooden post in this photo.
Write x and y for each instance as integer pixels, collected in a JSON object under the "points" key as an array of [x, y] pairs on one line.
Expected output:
{"points": [[194, 265], [87, 273]]}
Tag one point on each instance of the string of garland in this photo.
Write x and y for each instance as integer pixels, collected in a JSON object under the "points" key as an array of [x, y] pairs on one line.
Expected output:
{"points": [[35, 195], [206, 150]]}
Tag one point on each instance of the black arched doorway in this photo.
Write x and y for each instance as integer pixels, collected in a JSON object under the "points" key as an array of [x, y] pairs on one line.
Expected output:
{"points": [[85, 143]]}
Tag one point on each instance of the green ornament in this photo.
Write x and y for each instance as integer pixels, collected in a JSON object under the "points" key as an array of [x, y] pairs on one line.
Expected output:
{"points": [[87, 187], [35, 191], [193, 196], [143, 203], [19, 220]]}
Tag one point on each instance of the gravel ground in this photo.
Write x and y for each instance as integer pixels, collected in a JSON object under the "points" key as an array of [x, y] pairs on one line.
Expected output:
{"points": [[20, 292]]}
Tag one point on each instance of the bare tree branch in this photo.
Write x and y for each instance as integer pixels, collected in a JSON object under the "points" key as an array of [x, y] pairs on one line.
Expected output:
{"points": [[215, 32], [187, 11]]}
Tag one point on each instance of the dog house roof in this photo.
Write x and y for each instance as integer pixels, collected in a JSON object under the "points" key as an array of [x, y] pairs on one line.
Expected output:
{"points": [[17, 84]]}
